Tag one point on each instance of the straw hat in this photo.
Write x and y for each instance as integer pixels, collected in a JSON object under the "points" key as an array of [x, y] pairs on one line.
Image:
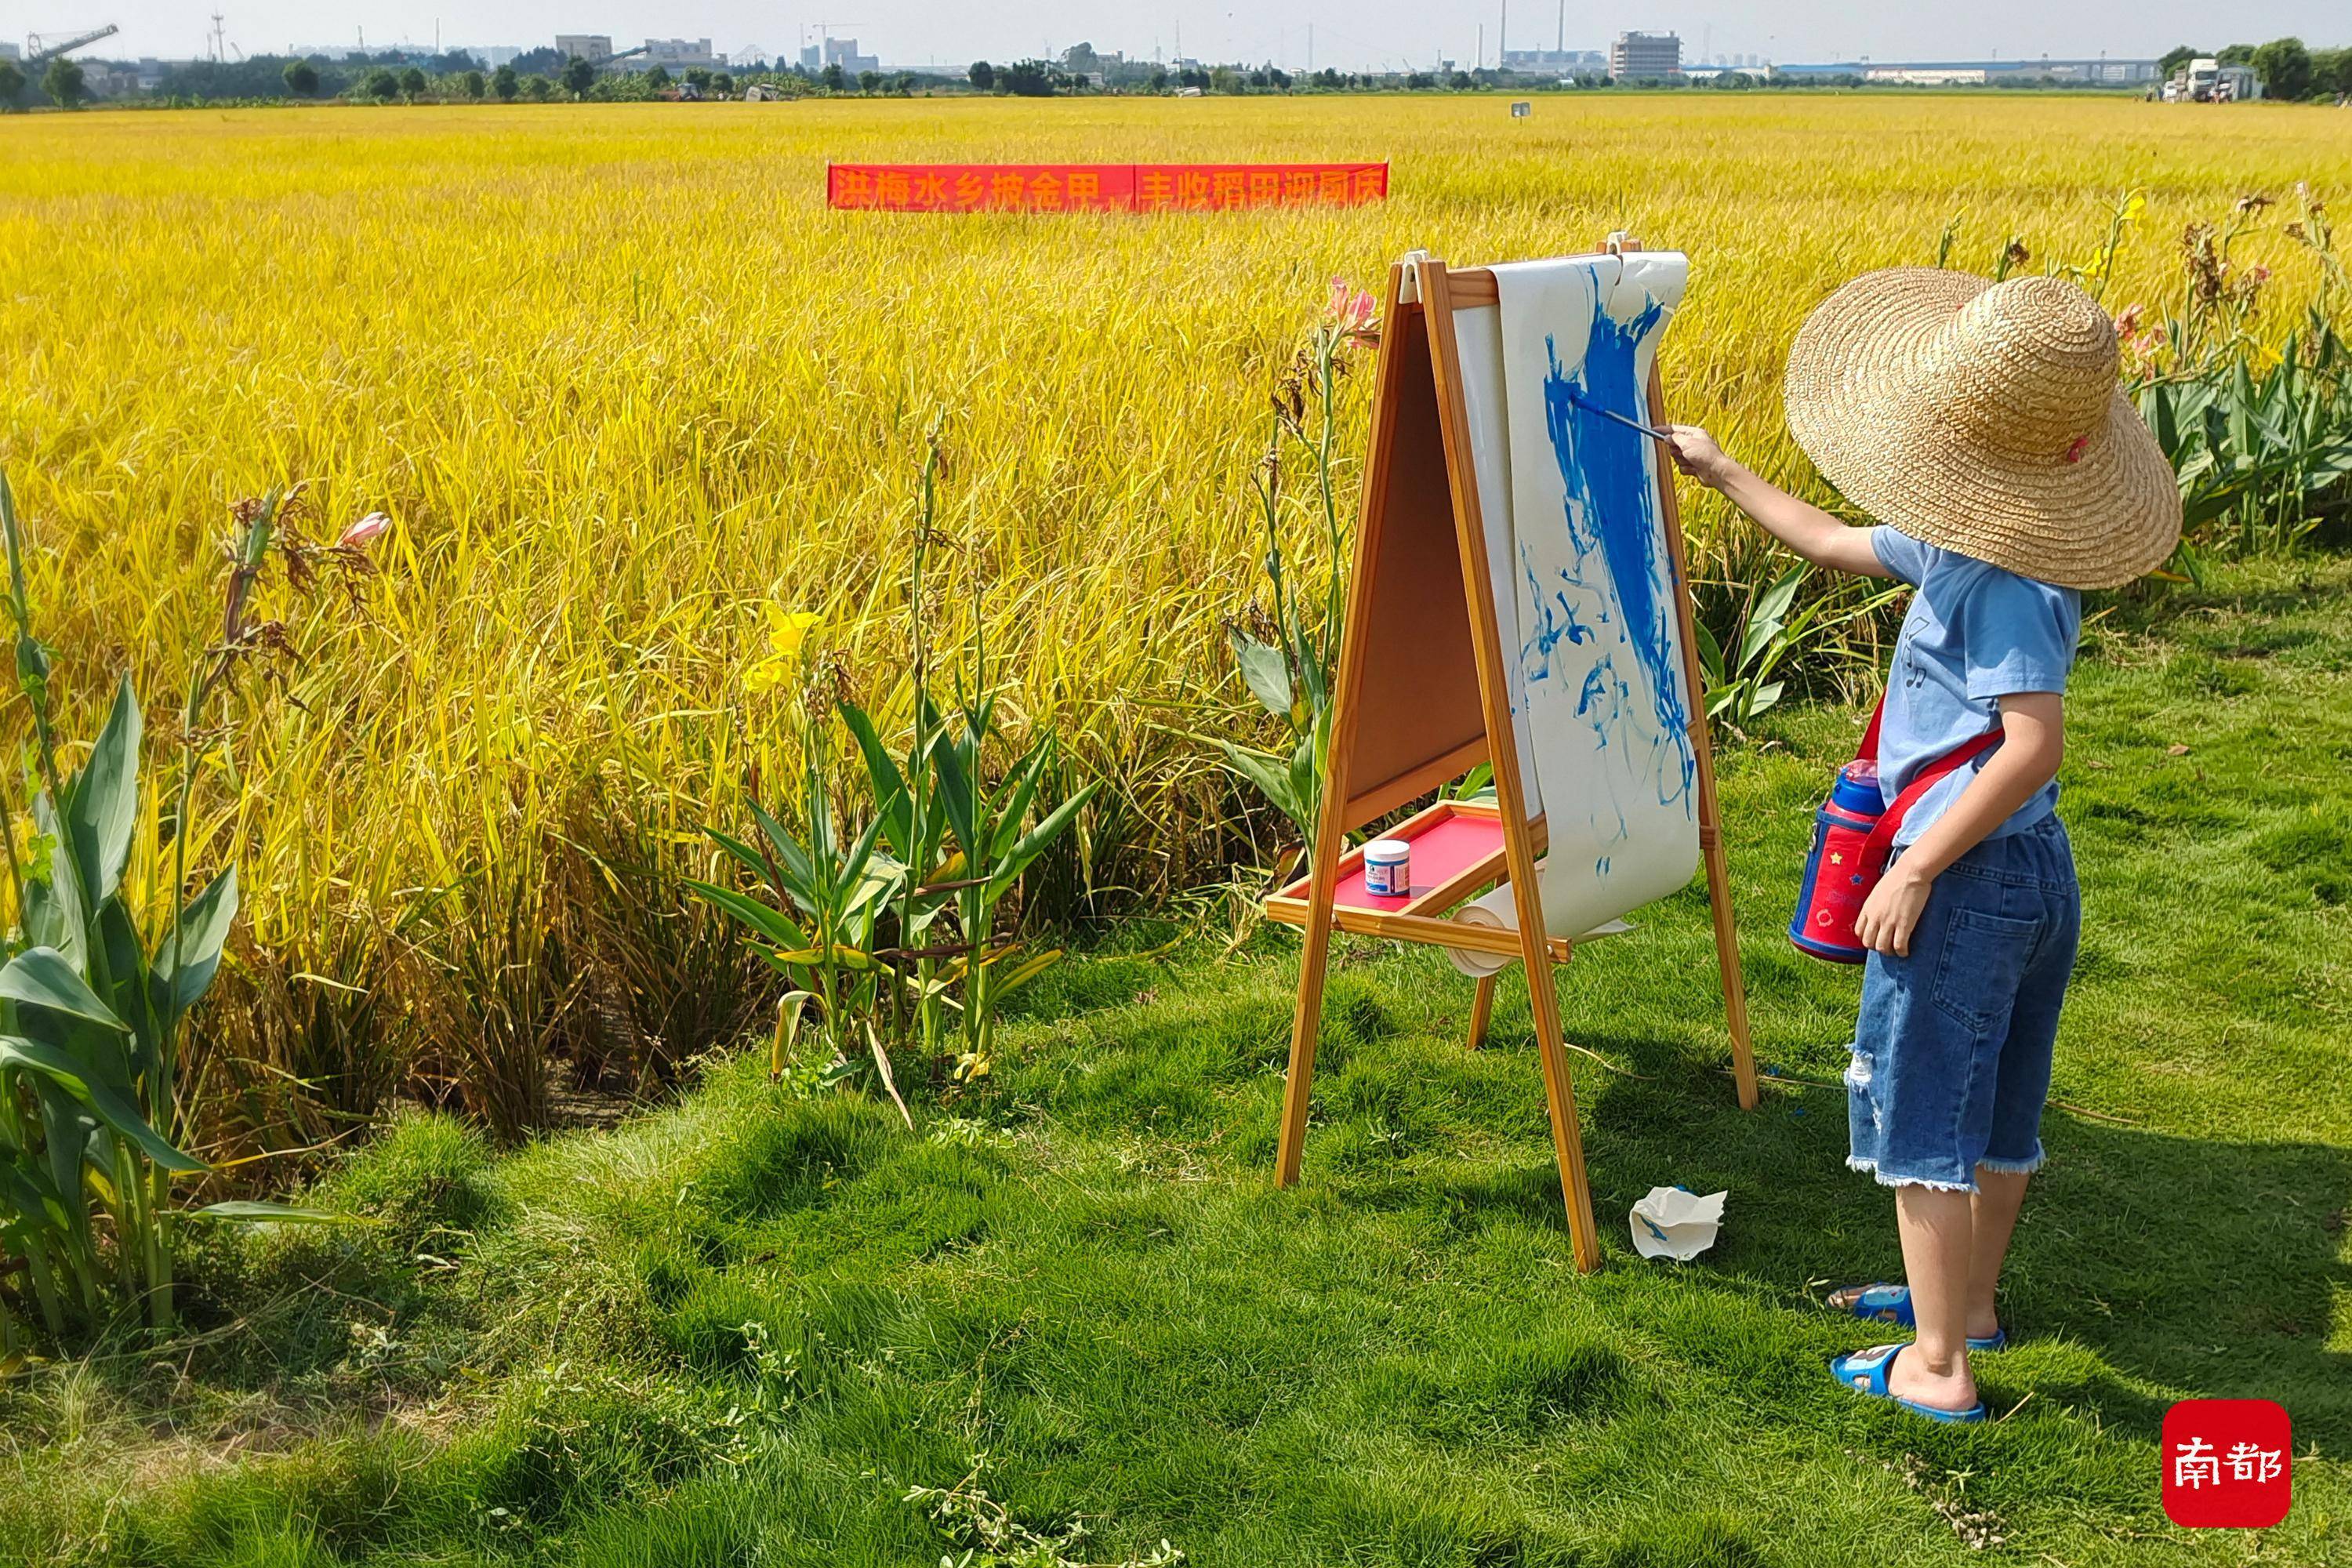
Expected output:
{"points": [[1984, 418]]}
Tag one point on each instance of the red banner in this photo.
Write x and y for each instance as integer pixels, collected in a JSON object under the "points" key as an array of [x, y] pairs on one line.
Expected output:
{"points": [[1100, 188]]}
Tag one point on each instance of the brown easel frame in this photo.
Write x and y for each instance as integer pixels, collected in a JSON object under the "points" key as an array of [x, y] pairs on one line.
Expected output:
{"points": [[1422, 697]]}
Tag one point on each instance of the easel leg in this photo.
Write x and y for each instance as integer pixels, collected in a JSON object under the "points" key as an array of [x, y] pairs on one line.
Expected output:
{"points": [[1303, 1024], [1727, 952], [1482, 1009], [1559, 1096]]}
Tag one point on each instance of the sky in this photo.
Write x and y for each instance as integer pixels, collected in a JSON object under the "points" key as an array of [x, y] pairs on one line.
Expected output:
{"points": [[1357, 35]]}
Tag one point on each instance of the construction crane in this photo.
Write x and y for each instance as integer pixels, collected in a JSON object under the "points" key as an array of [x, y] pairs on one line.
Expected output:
{"points": [[617, 55], [36, 51]]}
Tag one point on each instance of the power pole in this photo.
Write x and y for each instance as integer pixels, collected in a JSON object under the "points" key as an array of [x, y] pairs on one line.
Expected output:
{"points": [[1559, 45], [1503, 34]]}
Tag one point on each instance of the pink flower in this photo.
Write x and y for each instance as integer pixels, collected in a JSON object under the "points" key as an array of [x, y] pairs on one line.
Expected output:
{"points": [[365, 531], [2128, 321], [2258, 276], [1352, 308]]}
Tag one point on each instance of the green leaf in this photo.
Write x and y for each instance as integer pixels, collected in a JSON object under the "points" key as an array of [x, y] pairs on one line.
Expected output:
{"points": [[1029, 968], [58, 914], [1268, 773], [1031, 844], [1302, 777], [955, 796], [800, 864], [102, 804], [43, 977], [1710, 655], [115, 1109], [1264, 672], [768, 923], [276, 1213], [892, 803], [135, 989], [1026, 775], [186, 962]]}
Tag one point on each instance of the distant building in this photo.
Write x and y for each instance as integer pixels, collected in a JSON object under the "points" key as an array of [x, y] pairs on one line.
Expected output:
{"points": [[1555, 62], [842, 52], [1989, 73], [498, 55], [1638, 56], [106, 79], [1927, 76], [11, 52], [677, 53], [589, 46]]}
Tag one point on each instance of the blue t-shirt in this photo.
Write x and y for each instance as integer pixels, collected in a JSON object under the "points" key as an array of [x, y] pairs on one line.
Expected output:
{"points": [[1974, 634]]}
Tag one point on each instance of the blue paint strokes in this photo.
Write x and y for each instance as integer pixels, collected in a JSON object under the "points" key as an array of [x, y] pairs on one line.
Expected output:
{"points": [[1611, 509], [1556, 622]]}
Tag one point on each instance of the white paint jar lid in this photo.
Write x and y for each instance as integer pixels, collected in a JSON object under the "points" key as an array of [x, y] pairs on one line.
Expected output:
{"points": [[1389, 851]]}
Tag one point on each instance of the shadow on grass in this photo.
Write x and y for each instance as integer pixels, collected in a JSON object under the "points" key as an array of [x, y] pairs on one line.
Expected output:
{"points": [[2205, 1266]]}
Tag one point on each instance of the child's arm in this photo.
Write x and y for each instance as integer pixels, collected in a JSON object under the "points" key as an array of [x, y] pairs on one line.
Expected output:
{"points": [[2033, 743], [1805, 529]]}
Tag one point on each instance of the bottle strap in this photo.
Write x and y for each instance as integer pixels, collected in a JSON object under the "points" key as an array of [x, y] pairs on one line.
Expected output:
{"points": [[1881, 838]]}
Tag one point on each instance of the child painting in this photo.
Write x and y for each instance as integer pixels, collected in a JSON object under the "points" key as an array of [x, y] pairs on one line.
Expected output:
{"points": [[1982, 426]]}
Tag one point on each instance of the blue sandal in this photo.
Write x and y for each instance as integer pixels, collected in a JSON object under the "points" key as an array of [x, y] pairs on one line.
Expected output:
{"points": [[1892, 1304], [1864, 1372]]}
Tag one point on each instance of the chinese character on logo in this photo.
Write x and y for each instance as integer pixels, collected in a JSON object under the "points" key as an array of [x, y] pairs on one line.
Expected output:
{"points": [[2228, 1463]]}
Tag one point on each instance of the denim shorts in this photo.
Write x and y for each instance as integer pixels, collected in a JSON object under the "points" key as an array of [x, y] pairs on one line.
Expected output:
{"points": [[1951, 1053]]}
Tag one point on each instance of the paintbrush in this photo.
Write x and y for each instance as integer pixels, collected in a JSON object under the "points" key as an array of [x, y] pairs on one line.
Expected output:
{"points": [[1591, 407]]}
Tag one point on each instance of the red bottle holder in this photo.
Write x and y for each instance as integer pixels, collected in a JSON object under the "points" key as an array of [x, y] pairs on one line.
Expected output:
{"points": [[1852, 840]]}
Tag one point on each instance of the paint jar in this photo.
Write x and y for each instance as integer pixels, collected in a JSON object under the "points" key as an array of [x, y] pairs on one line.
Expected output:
{"points": [[1388, 868]]}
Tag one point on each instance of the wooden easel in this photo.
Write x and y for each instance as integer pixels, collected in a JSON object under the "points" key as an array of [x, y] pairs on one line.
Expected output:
{"points": [[1422, 697]]}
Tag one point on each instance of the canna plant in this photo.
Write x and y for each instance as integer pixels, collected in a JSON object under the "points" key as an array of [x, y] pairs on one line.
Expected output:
{"points": [[1746, 680], [90, 1006], [1287, 654], [828, 894], [995, 842], [940, 859], [2259, 436]]}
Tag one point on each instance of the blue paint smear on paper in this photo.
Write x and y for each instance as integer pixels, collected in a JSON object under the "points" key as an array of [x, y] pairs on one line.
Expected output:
{"points": [[1609, 509]]}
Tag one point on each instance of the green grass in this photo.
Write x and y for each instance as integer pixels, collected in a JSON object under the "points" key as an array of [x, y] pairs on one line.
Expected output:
{"points": [[739, 1330]]}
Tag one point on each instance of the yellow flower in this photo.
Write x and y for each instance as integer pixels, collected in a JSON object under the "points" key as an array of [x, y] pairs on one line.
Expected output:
{"points": [[788, 633], [788, 629], [2135, 207]]}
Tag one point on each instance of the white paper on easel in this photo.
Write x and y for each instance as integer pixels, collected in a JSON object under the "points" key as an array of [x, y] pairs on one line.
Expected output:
{"points": [[1584, 581]]}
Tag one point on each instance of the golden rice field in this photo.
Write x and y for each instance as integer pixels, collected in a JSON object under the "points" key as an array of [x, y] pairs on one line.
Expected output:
{"points": [[620, 377]]}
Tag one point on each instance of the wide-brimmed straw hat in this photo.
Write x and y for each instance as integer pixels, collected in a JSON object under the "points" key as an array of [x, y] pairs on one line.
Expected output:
{"points": [[1986, 419]]}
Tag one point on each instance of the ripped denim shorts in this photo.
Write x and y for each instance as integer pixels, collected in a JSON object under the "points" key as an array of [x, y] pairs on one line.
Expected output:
{"points": [[1951, 1053]]}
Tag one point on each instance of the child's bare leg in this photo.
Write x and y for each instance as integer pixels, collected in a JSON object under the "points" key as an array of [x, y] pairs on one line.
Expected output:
{"points": [[1993, 1216], [1937, 1234]]}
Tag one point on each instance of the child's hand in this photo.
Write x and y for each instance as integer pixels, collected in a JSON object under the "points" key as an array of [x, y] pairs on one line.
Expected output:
{"points": [[1892, 911], [1696, 454]]}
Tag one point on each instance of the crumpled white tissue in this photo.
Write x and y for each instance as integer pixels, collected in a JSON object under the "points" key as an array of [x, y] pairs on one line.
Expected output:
{"points": [[1673, 1222]]}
